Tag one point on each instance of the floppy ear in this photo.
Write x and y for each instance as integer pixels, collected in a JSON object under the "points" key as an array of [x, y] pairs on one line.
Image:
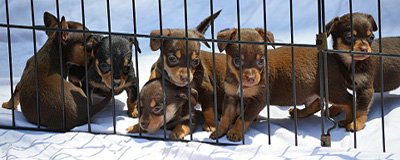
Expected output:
{"points": [[64, 34], [50, 21], [331, 26], [226, 34], [372, 21], [270, 36], [201, 36], [155, 44], [133, 40], [203, 26], [92, 41]]}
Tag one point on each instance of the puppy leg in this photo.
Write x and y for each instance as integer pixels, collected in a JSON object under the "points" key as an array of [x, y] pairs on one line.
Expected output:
{"points": [[308, 110], [250, 113], [15, 96], [131, 102], [134, 129], [229, 113], [364, 101], [335, 110], [207, 108], [180, 131]]}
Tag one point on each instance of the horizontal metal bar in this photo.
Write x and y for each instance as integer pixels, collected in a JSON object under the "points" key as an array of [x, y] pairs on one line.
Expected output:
{"points": [[362, 53]]}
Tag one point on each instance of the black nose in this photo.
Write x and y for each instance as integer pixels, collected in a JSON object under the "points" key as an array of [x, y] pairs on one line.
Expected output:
{"points": [[117, 83], [183, 78], [144, 125]]}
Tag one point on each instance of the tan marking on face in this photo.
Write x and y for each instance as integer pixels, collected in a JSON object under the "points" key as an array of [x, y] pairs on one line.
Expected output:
{"points": [[153, 103], [178, 54], [107, 78], [346, 57], [157, 121], [248, 74], [175, 74], [369, 33], [194, 55]]}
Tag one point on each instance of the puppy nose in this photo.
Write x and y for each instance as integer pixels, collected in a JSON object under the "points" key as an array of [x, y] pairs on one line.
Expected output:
{"points": [[183, 78], [144, 125], [250, 78], [117, 82], [364, 48]]}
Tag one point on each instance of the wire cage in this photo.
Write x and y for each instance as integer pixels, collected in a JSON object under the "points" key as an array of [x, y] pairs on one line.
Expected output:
{"points": [[320, 44]]}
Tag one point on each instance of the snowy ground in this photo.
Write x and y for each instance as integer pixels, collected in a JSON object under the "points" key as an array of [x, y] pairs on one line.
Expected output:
{"points": [[78, 145]]}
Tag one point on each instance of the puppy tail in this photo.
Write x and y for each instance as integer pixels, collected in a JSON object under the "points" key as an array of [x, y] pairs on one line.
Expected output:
{"points": [[96, 108], [203, 26]]}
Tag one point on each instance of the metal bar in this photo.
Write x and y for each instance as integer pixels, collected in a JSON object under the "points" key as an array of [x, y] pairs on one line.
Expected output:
{"points": [[86, 67], [293, 73], [321, 78], [353, 73], [214, 70], [10, 64], [267, 72], [137, 62], [36, 64], [64, 117], [188, 71], [112, 65], [381, 76], [241, 71], [162, 64]]}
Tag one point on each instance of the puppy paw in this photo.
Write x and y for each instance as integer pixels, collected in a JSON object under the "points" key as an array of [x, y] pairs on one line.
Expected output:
{"points": [[177, 135], [291, 111], [133, 129], [7, 105], [234, 135], [214, 134], [350, 127], [133, 114], [209, 127]]}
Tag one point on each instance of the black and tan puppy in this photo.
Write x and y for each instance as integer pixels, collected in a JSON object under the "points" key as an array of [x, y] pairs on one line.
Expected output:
{"points": [[176, 109], [123, 79], [200, 71], [49, 78]]}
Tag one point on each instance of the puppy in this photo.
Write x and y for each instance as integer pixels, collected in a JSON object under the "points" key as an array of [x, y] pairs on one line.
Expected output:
{"points": [[176, 105], [49, 77], [124, 78], [200, 71], [366, 67]]}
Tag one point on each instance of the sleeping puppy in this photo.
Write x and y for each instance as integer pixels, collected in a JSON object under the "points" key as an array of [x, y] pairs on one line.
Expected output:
{"points": [[49, 78], [366, 67], [200, 72], [176, 105], [99, 72]]}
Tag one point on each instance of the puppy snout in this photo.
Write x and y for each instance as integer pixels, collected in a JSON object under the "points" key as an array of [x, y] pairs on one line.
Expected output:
{"points": [[250, 79], [117, 82], [144, 125], [364, 48], [183, 78]]}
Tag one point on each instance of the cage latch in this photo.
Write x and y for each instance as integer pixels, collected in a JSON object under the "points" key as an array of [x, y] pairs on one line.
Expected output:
{"points": [[326, 140]]}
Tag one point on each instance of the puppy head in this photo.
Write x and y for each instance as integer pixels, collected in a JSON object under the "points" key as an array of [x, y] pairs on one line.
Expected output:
{"points": [[121, 50], [361, 36], [174, 51], [251, 56], [151, 104], [73, 43]]}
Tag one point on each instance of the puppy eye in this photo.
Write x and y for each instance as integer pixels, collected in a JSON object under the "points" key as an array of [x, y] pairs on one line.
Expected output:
{"points": [[126, 69], [104, 67], [195, 62], [236, 62], [260, 63], [349, 38], [157, 109], [371, 38], [172, 60]]}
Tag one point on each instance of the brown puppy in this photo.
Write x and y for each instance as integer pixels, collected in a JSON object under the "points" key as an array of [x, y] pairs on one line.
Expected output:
{"points": [[366, 67], [200, 71], [176, 113], [49, 77]]}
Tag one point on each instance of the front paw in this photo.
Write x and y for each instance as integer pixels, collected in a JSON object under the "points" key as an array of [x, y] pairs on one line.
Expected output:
{"points": [[234, 135], [359, 126], [209, 127], [214, 134], [291, 112], [177, 135], [133, 129], [132, 109], [133, 114]]}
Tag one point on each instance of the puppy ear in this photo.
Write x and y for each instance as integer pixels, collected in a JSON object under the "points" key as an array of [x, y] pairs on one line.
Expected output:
{"points": [[201, 36], [372, 21], [50, 21], [133, 40], [331, 26], [226, 34], [203, 26], [155, 44], [64, 34], [270, 36], [92, 41]]}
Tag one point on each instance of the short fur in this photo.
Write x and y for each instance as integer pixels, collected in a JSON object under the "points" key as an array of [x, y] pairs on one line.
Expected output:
{"points": [[49, 78], [176, 104]]}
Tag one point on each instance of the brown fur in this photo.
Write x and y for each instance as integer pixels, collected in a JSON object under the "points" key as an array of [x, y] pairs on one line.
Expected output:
{"points": [[200, 75], [176, 104], [49, 78]]}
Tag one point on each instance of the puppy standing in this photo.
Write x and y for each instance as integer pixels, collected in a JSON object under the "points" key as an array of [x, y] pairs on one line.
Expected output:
{"points": [[177, 113], [200, 71], [49, 77]]}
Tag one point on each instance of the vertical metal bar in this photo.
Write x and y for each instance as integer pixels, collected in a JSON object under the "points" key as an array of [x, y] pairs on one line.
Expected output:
{"points": [[188, 71], [214, 70], [321, 26], [326, 75], [267, 70], [162, 64], [136, 61], [59, 31], [36, 64], [10, 63], [241, 71], [86, 66], [353, 73], [112, 64], [293, 72], [381, 76]]}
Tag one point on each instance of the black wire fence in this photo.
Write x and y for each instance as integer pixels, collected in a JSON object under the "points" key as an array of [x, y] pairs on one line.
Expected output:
{"points": [[321, 45]]}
